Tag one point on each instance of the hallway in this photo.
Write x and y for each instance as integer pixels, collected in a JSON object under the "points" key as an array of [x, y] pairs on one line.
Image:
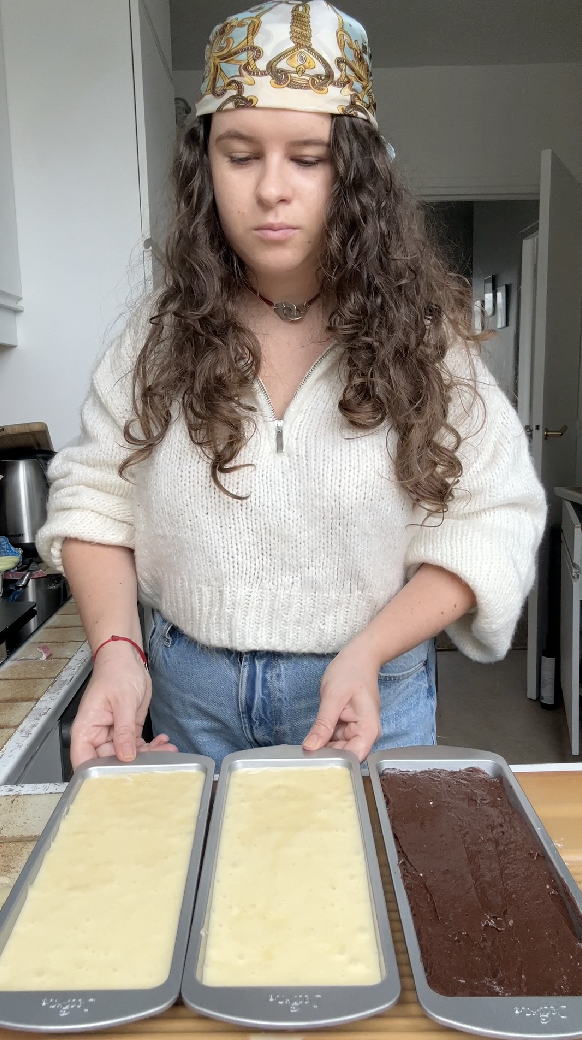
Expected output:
{"points": [[485, 706]]}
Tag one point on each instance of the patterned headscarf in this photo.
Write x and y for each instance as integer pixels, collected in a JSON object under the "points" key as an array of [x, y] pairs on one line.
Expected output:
{"points": [[307, 57]]}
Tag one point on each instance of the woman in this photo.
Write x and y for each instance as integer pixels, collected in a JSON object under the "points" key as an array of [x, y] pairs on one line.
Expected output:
{"points": [[300, 461]]}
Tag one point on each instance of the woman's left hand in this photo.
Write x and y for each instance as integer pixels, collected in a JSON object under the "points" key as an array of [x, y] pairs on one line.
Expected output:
{"points": [[159, 743], [349, 708]]}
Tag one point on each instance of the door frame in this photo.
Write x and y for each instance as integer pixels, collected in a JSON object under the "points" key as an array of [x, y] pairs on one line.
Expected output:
{"points": [[475, 193], [464, 192], [527, 303]]}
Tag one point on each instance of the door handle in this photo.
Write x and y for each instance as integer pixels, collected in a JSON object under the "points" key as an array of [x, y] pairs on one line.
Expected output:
{"points": [[554, 433]]}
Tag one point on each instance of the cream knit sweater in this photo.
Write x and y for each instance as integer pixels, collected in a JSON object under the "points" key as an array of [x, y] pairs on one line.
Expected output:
{"points": [[326, 538]]}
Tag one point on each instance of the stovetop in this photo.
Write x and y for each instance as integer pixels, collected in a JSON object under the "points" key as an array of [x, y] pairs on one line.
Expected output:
{"points": [[46, 592]]}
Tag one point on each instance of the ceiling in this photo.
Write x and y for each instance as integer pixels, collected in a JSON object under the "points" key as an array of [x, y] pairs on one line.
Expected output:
{"points": [[406, 33]]}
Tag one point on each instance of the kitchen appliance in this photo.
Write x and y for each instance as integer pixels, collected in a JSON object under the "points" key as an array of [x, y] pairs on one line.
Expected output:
{"points": [[47, 593], [23, 498], [13, 616]]}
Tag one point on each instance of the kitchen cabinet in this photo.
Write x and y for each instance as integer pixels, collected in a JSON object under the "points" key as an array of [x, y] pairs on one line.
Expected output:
{"points": [[155, 123], [45, 766], [92, 133], [13, 618], [10, 288]]}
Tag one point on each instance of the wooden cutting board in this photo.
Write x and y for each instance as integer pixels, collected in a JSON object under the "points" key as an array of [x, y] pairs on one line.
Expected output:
{"points": [[31, 436]]}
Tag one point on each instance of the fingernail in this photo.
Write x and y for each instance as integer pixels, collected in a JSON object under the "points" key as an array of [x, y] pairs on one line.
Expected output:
{"points": [[126, 751], [311, 743]]}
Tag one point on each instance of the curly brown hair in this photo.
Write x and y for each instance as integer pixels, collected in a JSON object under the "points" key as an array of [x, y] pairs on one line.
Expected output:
{"points": [[394, 305]]}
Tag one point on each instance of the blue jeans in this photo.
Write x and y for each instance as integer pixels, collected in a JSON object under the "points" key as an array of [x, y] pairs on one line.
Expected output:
{"points": [[215, 701]]}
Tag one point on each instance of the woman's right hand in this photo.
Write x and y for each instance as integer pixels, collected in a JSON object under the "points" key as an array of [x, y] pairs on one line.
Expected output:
{"points": [[113, 709]]}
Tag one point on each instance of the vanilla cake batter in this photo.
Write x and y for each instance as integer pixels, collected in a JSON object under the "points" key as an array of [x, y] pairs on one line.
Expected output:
{"points": [[291, 903], [103, 910]]}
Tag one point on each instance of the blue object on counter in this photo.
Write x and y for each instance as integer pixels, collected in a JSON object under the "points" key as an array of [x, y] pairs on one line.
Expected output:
{"points": [[6, 549], [9, 557]]}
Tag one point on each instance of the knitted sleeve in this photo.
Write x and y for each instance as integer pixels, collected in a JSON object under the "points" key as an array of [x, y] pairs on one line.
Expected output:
{"points": [[493, 527], [88, 499]]}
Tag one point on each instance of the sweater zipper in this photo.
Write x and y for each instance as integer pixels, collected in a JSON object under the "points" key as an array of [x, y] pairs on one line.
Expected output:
{"points": [[278, 423]]}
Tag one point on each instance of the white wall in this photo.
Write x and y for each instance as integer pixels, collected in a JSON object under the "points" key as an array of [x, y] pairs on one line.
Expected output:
{"points": [[9, 268], [482, 128], [72, 120], [472, 131], [465, 130]]}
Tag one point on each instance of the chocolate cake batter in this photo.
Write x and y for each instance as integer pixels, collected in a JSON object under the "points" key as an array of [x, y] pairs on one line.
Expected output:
{"points": [[490, 919]]}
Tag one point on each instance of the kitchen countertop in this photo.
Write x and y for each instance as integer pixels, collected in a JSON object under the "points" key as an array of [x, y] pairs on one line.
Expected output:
{"points": [[34, 692], [24, 811], [555, 792]]}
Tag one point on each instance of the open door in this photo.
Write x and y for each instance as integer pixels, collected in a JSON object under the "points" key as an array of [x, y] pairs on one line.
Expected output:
{"points": [[553, 412], [155, 127]]}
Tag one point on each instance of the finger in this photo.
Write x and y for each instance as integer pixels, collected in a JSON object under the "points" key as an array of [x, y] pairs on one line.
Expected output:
{"points": [[348, 714], [350, 730], [166, 747], [86, 743], [124, 737], [360, 745], [321, 732], [161, 743], [84, 751], [106, 750]]}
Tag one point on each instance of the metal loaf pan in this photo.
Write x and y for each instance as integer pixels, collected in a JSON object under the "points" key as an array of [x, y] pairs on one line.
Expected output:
{"points": [[511, 1017], [289, 1007], [74, 1010]]}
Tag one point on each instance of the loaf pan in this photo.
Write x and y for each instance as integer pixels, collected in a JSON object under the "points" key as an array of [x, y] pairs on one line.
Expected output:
{"points": [[511, 1017], [289, 1007], [74, 1010]]}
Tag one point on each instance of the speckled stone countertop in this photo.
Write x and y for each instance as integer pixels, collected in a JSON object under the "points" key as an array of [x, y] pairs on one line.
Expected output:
{"points": [[33, 691], [24, 811]]}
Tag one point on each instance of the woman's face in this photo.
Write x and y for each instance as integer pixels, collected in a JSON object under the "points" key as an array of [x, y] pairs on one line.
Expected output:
{"points": [[272, 176]]}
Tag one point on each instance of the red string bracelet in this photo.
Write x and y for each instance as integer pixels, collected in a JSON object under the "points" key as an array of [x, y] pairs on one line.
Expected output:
{"points": [[123, 639]]}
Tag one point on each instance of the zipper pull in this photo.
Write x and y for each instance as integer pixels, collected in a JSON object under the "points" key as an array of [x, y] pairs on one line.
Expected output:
{"points": [[279, 435]]}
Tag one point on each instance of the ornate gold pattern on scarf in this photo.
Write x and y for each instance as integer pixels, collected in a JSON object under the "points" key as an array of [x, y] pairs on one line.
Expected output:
{"points": [[221, 51], [359, 67], [235, 62], [301, 58]]}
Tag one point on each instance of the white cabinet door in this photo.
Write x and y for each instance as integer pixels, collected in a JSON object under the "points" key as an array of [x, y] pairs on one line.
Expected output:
{"points": [[555, 370], [571, 553], [45, 766], [10, 290], [155, 122], [158, 12]]}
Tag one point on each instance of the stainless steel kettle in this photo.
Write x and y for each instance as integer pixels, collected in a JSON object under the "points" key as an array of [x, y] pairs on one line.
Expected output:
{"points": [[23, 498]]}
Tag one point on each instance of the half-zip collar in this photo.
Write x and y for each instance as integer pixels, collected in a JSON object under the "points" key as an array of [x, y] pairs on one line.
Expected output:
{"points": [[279, 423]]}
